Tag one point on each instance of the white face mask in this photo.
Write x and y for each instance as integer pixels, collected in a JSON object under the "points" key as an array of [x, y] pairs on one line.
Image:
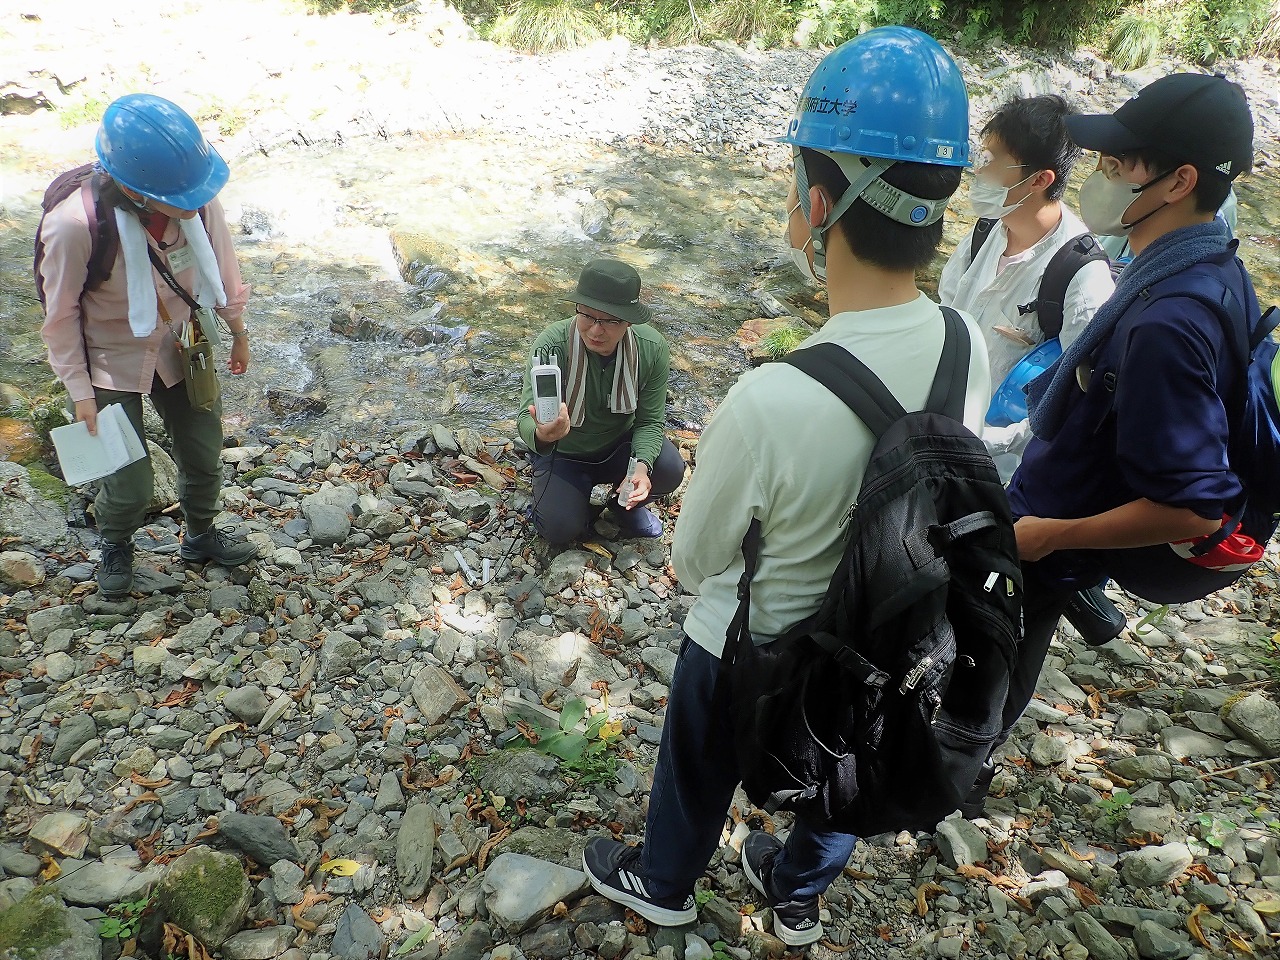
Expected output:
{"points": [[799, 258], [1104, 202], [988, 199]]}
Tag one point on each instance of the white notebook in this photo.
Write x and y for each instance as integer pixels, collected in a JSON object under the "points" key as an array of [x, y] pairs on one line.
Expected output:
{"points": [[84, 457]]}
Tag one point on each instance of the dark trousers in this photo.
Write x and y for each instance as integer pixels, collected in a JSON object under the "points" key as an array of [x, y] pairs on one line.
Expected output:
{"points": [[562, 486], [123, 497], [1043, 604], [693, 786]]}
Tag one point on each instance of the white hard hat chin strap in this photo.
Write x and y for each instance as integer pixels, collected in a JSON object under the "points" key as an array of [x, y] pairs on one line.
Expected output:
{"points": [[894, 203]]}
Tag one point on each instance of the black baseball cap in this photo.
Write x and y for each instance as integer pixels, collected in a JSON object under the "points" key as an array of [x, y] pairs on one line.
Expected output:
{"points": [[1197, 118]]}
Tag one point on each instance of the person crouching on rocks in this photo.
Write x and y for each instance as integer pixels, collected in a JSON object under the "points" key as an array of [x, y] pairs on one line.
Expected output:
{"points": [[613, 402], [112, 339]]}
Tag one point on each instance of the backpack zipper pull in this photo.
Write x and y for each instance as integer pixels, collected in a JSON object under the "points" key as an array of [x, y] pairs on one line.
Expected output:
{"points": [[914, 674], [1008, 586], [992, 579]]}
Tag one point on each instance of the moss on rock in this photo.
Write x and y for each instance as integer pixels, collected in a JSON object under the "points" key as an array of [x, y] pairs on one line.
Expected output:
{"points": [[36, 921], [206, 893], [49, 486]]}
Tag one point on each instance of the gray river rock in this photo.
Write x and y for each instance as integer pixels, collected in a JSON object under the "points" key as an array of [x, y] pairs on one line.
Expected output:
{"points": [[352, 703]]}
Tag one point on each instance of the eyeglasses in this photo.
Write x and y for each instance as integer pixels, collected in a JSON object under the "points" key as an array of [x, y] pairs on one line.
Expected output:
{"points": [[608, 324]]}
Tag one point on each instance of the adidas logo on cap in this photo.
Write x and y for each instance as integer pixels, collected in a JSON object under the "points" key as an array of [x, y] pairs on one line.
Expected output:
{"points": [[1224, 167]]}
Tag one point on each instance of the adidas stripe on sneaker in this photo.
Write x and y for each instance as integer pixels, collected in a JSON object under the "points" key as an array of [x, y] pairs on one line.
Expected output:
{"points": [[614, 871]]}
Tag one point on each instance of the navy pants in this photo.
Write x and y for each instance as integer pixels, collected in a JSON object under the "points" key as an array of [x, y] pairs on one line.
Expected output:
{"points": [[693, 786], [562, 486]]}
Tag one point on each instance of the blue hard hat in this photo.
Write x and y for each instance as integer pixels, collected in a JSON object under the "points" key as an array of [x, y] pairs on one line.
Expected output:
{"points": [[1009, 405], [153, 147], [892, 93]]}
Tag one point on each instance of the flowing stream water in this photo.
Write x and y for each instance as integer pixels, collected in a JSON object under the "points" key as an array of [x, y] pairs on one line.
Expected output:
{"points": [[400, 280]]}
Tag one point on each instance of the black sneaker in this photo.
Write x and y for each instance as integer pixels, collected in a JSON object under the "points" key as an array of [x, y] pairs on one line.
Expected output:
{"points": [[115, 571], [614, 870], [217, 544], [795, 922]]}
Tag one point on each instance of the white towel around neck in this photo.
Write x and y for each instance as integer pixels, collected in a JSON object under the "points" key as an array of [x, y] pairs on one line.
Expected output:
{"points": [[141, 284]]}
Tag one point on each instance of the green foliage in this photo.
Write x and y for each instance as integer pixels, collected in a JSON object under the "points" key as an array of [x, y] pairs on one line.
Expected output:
{"points": [[831, 22], [591, 755], [1135, 40], [1214, 831], [541, 26], [1114, 806], [720, 951], [353, 6], [1203, 28], [124, 918], [84, 109], [782, 341], [1211, 29], [703, 897], [1267, 653], [417, 940]]}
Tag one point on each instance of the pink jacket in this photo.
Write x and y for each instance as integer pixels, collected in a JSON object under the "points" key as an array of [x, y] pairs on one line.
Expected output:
{"points": [[76, 318]]}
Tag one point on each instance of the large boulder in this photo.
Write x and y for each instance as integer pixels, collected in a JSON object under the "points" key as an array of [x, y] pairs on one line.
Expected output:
{"points": [[29, 515]]}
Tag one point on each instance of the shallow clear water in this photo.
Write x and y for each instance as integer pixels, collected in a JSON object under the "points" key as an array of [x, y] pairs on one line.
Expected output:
{"points": [[401, 280]]}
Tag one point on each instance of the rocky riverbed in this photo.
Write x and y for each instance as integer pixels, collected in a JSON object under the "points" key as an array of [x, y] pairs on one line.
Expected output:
{"points": [[337, 733], [324, 754]]}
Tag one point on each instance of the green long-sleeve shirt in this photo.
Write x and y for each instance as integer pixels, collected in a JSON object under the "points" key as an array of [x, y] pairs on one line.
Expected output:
{"points": [[600, 429]]}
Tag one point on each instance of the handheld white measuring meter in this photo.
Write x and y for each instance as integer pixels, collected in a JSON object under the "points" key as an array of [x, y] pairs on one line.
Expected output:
{"points": [[546, 391]]}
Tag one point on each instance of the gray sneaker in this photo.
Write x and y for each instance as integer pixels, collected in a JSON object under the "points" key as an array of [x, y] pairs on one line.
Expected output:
{"points": [[115, 570], [217, 544]]}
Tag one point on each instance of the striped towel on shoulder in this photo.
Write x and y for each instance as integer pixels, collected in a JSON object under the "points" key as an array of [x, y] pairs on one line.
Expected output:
{"points": [[626, 365]]}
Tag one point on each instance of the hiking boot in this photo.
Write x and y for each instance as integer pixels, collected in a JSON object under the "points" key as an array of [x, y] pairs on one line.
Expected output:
{"points": [[636, 522], [115, 570], [217, 544], [614, 870], [795, 922]]}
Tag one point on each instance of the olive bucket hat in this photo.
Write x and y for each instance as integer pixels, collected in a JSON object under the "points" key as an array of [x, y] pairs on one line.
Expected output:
{"points": [[612, 287]]}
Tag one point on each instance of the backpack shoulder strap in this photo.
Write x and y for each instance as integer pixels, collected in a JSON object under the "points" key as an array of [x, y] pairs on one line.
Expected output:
{"points": [[852, 381], [1066, 262], [951, 380], [981, 233], [866, 395]]}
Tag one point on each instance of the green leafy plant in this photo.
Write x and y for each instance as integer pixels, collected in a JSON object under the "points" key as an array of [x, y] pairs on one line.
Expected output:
{"points": [[1213, 831], [417, 940], [1114, 806], [720, 951], [703, 897], [124, 918], [1267, 653], [1211, 29], [589, 755]]}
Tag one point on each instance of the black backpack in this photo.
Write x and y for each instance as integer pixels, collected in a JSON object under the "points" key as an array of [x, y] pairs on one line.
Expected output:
{"points": [[876, 713], [1058, 274]]}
